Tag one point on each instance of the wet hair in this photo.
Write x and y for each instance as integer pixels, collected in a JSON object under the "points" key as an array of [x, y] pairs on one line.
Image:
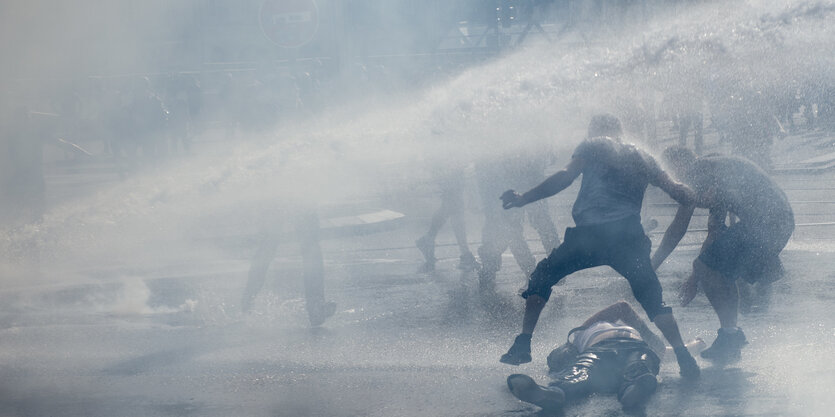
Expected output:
{"points": [[605, 124]]}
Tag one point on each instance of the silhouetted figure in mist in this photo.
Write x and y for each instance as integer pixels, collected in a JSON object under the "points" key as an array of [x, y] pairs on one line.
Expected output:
{"points": [[452, 186], [748, 249], [748, 123], [306, 234], [505, 229], [608, 231], [787, 103], [690, 116]]}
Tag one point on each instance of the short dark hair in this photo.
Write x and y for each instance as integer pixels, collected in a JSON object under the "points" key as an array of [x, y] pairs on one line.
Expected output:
{"points": [[605, 124]]}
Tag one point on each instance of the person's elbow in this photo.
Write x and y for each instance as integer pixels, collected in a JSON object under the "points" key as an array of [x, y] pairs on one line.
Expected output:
{"points": [[686, 196]]}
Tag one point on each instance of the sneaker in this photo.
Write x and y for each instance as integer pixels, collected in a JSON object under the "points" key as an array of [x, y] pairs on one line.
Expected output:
{"points": [[318, 312], [727, 347], [467, 262], [526, 389], [427, 248], [635, 395], [687, 366], [520, 352]]}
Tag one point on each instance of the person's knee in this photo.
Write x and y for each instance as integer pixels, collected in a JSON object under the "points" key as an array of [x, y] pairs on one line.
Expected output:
{"points": [[622, 308], [649, 295]]}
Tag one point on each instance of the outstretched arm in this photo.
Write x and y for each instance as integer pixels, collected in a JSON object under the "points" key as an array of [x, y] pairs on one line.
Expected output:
{"points": [[715, 225], [687, 200], [679, 192], [622, 311], [675, 232], [552, 185]]}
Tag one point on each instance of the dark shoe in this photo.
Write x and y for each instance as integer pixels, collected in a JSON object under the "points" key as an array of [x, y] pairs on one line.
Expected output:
{"points": [[526, 389], [636, 394], [427, 248], [318, 312], [520, 352], [687, 366], [467, 262], [727, 347]]}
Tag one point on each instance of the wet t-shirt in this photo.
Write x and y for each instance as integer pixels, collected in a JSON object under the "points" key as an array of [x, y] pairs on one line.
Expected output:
{"points": [[600, 331], [615, 177], [742, 188]]}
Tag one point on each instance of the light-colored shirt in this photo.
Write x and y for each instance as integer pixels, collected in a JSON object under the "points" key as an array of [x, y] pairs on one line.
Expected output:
{"points": [[600, 331]]}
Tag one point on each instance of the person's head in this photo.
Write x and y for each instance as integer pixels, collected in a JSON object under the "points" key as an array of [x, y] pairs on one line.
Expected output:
{"points": [[680, 160], [605, 124]]}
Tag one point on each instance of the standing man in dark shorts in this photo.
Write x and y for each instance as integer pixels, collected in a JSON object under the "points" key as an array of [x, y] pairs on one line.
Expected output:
{"points": [[608, 231], [748, 249]]}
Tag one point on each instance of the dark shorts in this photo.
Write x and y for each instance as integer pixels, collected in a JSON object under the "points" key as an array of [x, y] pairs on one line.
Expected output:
{"points": [[621, 245], [749, 252]]}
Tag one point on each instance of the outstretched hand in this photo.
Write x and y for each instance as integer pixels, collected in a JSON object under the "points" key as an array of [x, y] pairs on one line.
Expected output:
{"points": [[511, 199]]}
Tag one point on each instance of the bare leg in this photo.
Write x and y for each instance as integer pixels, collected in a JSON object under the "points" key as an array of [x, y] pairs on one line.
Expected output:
{"points": [[688, 368], [493, 244], [533, 308], [723, 295], [520, 352], [426, 243], [459, 228], [669, 328], [518, 245], [438, 220], [258, 270], [541, 221], [314, 269]]}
